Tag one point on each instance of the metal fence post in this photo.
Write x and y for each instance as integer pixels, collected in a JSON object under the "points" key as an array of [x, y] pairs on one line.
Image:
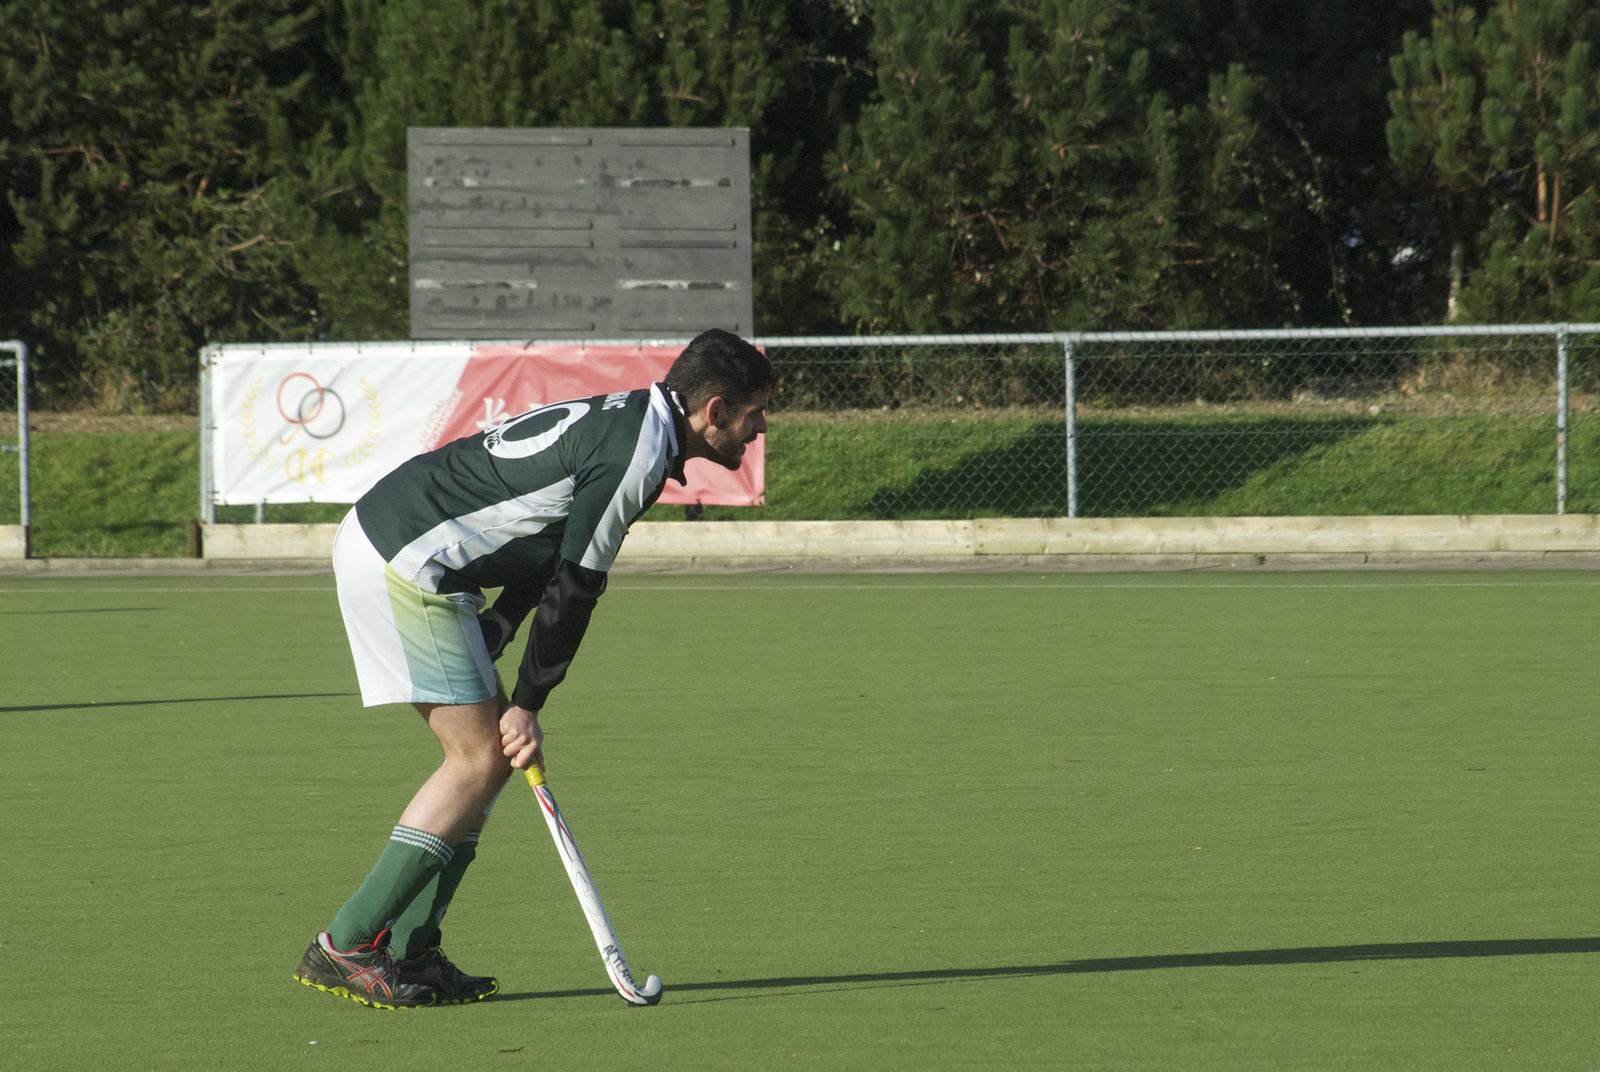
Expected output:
{"points": [[1561, 419], [1072, 428], [208, 498], [21, 350], [22, 445]]}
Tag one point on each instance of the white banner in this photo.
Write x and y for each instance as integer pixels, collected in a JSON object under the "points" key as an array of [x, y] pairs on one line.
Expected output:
{"points": [[321, 423]]}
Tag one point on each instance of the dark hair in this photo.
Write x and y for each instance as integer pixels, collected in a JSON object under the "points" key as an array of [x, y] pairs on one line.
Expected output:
{"points": [[718, 362]]}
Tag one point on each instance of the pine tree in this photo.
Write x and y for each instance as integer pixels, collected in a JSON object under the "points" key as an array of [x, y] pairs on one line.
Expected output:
{"points": [[1332, 223], [825, 78], [142, 148], [1019, 169], [1499, 118]]}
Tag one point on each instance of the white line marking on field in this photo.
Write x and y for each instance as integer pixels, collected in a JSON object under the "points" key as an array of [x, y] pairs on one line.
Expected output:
{"points": [[1084, 587], [201, 590], [1049, 583]]}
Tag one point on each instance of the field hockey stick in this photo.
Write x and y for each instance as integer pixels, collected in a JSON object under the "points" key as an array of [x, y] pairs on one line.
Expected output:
{"points": [[589, 898]]}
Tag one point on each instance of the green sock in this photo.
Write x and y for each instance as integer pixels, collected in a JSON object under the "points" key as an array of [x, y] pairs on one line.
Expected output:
{"points": [[413, 931], [409, 862]]}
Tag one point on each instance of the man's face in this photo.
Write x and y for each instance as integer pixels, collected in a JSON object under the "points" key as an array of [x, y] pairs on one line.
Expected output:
{"points": [[737, 428]]}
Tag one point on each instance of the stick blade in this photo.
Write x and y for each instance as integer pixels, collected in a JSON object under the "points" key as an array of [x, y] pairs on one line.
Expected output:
{"points": [[648, 994]]}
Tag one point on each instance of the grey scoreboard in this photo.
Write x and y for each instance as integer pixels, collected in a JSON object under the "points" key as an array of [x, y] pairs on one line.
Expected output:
{"points": [[556, 234]]}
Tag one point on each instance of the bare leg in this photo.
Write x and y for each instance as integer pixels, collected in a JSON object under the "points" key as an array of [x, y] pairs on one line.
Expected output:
{"points": [[453, 799]]}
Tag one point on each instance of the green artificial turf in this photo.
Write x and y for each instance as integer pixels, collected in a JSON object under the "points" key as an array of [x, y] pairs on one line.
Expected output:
{"points": [[1101, 821]]}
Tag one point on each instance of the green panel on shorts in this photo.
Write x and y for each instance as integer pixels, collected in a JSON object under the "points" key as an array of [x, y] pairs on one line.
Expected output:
{"points": [[437, 656]]}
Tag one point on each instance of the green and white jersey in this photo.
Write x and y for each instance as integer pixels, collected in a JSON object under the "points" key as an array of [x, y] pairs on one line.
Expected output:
{"points": [[502, 508]]}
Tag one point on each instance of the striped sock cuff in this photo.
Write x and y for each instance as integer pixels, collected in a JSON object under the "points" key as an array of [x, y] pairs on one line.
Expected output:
{"points": [[470, 837], [432, 844]]}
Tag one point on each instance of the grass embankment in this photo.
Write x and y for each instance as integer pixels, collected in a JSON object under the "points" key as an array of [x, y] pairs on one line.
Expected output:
{"points": [[134, 493]]}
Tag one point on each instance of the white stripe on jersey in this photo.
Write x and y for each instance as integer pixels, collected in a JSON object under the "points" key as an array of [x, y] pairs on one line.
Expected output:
{"points": [[646, 472], [458, 541], [661, 409]]}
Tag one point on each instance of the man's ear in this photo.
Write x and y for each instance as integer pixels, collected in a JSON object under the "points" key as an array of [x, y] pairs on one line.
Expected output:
{"points": [[716, 411]]}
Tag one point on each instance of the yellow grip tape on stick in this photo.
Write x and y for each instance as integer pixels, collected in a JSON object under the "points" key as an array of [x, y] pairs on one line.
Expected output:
{"points": [[535, 776]]}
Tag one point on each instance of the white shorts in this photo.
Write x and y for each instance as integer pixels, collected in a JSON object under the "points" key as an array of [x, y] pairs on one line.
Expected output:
{"points": [[410, 645]]}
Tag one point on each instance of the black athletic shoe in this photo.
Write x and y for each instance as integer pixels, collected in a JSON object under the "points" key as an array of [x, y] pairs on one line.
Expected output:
{"points": [[450, 985], [366, 974]]}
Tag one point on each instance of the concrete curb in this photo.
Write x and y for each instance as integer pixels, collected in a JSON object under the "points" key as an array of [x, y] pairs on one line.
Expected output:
{"points": [[860, 541], [987, 544], [13, 542]]}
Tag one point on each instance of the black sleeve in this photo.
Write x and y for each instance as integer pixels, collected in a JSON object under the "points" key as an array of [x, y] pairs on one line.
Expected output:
{"points": [[514, 603], [558, 627], [517, 603], [500, 622]]}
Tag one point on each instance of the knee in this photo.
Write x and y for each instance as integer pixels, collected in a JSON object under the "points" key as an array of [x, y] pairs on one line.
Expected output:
{"points": [[485, 776], [491, 766], [484, 765]]}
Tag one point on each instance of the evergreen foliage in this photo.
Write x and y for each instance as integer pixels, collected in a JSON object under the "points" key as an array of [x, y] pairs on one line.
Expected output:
{"points": [[144, 145], [1500, 114], [181, 173], [1020, 168]]}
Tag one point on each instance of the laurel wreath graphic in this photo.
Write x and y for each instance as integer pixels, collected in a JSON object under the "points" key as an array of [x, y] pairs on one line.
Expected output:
{"points": [[247, 424], [358, 455], [369, 439]]}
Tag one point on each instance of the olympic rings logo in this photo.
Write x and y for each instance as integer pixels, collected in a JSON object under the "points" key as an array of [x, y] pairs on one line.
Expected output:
{"points": [[307, 405]]}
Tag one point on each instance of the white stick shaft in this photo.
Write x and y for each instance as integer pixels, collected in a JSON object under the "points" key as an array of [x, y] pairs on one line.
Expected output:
{"points": [[605, 937]]}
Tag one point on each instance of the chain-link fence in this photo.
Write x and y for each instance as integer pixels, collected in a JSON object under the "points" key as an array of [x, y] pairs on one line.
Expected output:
{"points": [[1321, 422], [1490, 420], [14, 497]]}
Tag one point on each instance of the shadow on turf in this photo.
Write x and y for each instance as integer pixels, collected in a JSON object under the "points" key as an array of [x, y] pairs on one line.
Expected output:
{"points": [[77, 610], [187, 699], [1334, 954]]}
